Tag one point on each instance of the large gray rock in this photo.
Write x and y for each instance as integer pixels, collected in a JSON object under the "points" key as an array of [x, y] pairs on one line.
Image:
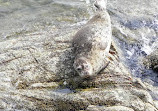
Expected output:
{"points": [[151, 61], [36, 69]]}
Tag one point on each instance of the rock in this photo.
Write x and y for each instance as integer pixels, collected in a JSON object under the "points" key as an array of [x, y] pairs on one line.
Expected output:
{"points": [[30, 59], [103, 108], [151, 61], [138, 83], [35, 68], [114, 97], [142, 94], [149, 107], [2, 105], [44, 85], [152, 90], [52, 100], [156, 104]]}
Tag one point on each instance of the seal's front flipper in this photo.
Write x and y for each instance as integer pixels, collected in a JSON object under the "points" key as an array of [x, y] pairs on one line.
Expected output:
{"points": [[104, 67]]}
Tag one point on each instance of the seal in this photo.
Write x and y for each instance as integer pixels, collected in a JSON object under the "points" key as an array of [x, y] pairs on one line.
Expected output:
{"points": [[92, 43]]}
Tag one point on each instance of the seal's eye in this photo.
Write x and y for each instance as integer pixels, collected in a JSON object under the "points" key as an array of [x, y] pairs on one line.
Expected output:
{"points": [[79, 69], [97, 6]]}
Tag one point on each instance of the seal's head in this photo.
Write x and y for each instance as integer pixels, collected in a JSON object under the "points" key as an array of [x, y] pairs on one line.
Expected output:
{"points": [[100, 4], [83, 67]]}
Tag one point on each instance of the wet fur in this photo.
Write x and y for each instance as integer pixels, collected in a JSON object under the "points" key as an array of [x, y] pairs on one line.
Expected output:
{"points": [[93, 41]]}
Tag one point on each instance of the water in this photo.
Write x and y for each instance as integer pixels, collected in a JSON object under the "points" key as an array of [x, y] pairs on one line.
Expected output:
{"points": [[134, 23], [136, 27], [20, 16]]}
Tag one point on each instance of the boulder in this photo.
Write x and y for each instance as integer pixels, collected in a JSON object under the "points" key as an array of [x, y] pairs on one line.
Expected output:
{"points": [[151, 61], [37, 74]]}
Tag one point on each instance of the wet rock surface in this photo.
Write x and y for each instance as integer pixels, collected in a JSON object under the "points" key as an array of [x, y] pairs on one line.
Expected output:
{"points": [[39, 67], [114, 108]]}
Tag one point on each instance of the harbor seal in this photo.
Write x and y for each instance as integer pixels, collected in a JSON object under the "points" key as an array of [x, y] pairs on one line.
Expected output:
{"points": [[92, 43]]}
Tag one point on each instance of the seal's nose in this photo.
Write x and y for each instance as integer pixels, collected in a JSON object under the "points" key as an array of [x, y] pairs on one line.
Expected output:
{"points": [[86, 75], [82, 67]]}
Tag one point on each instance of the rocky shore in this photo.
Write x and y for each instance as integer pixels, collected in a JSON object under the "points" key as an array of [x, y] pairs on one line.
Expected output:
{"points": [[38, 70], [36, 74]]}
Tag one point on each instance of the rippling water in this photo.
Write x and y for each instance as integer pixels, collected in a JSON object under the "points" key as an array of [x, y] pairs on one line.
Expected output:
{"points": [[134, 23], [24, 16]]}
